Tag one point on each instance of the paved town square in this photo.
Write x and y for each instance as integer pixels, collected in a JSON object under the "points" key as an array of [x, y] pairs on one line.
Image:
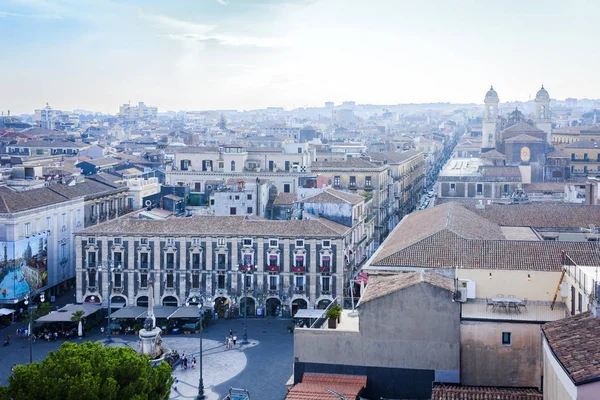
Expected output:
{"points": [[262, 367]]}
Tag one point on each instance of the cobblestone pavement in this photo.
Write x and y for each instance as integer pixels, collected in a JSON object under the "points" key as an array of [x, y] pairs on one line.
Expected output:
{"points": [[263, 367]]}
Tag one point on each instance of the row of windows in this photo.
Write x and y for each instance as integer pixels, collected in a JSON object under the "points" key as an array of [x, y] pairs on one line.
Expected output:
{"points": [[31, 228], [220, 242], [273, 281], [337, 181]]}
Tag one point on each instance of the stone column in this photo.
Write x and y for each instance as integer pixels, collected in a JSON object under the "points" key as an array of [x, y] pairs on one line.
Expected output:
{"points": [[235, 262], [105, 266], [183, 269], [209, 266], [312, 268], [259, 257], [79, 269], [339, 272], [131, 271], [157, 254]]}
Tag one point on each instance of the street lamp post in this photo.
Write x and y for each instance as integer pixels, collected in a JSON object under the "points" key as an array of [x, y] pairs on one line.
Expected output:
{"points": [[200, 301], [245, 337], [110, 268], [30, 331]]}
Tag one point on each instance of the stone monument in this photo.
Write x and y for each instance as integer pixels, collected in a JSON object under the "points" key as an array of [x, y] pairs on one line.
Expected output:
{"points": [[150, 339]]}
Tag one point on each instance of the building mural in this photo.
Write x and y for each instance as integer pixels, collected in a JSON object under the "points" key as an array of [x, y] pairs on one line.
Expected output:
{"points": [[23, 266]]}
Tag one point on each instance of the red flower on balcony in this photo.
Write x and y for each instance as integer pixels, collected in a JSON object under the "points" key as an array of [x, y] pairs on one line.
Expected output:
{"points": [[324, 269], [272, 268], [246, 268], [299, 269]]}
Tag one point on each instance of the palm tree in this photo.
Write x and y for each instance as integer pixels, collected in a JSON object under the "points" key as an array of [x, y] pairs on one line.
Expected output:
{"points": [[77, 317]]}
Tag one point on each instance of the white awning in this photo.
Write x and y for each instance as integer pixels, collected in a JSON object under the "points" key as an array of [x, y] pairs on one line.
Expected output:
{"points": [[128, 312], [65, 313], [189, 312], [6, 311], [306, 313], [159, 312]]}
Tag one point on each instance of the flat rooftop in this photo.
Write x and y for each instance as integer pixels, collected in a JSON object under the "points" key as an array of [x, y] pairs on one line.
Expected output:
{"points": [[536, 311], [462, 167]]}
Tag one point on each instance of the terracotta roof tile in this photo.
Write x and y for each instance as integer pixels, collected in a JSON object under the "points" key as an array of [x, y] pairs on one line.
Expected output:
{"points": [[575, 341], [220, 225], [381, 285], [334, 196], [313, 387], [444, 391]]}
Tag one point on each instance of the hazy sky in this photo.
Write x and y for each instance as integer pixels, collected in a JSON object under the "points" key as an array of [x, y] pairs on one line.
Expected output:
{"points": [[245, 54]]}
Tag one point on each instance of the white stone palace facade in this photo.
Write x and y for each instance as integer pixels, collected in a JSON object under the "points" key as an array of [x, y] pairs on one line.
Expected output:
{"points": [[286, 264]]}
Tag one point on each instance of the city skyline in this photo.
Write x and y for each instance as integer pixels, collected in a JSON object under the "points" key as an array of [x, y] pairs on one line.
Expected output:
{"points": [[217, 54]]}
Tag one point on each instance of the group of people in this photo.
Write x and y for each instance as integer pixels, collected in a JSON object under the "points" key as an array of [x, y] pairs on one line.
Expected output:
{"points": [[188, 363], [230, 340]]}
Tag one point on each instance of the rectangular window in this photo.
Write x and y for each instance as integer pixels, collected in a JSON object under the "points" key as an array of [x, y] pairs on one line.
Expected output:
{"points": [[220, 242], [237, 197], [506, 339], [579, 302], [91, 240], [248, 259], [221, 261], [144, 241], [336, 181], [170, 280], [272, 260], [273, 282], [118, 281], [196, 241], [299, 243], [232, 211], [170, 242], [326, 261], [196, 261], [453, 186], [286, 187], [248, 281], [144, 264], [220, 281], [353, 181], [273, 242], [325, 284], [367, 181], [170, 260], [247, 242], [196, 281], [91, 259], [327, 243], [117, 258], [506, 188], [479, 188], [92, 278], [117, 240], [299, 261], [299, 283], [249, 210], [249, 197], [144, 280], [63, 251]]}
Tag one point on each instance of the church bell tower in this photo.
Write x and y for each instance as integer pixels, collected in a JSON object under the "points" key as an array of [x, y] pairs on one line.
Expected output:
{"points": [[490, 121], [542, 113]]}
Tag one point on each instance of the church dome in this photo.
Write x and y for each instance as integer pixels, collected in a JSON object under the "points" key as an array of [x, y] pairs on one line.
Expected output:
{"points": [[491, 94], [542, 94]]}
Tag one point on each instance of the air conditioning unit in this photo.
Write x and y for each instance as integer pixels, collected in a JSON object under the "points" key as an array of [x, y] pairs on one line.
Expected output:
{"points": [[461, 294]]}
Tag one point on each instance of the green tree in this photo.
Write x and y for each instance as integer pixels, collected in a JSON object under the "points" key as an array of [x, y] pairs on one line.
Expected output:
{"points": [[92, 372], [223, 122], [77, 316]]}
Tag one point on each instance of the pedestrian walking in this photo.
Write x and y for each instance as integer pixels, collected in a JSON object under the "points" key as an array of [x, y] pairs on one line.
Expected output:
{"points": [[193, 362], [234, 340], [185, 363], [226, 342], [230, 333]]}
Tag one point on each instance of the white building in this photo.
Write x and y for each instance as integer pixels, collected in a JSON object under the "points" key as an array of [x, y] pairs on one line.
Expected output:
{"points": [[46, 117], [141, 111]]}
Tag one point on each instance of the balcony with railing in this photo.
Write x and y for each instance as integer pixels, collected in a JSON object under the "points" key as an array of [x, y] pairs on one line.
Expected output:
{"points": [[222, 266], [272, 268], [246, 268], [144, 264], [325, 269], [299, 269]]}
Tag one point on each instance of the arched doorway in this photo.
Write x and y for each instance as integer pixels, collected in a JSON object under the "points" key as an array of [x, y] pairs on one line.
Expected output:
{"points": [[118, 302], [250, 307], [298, 304], [170, 301], [92, 299], [322, 304], [142, 301], [221, 304], [273, 307]]}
